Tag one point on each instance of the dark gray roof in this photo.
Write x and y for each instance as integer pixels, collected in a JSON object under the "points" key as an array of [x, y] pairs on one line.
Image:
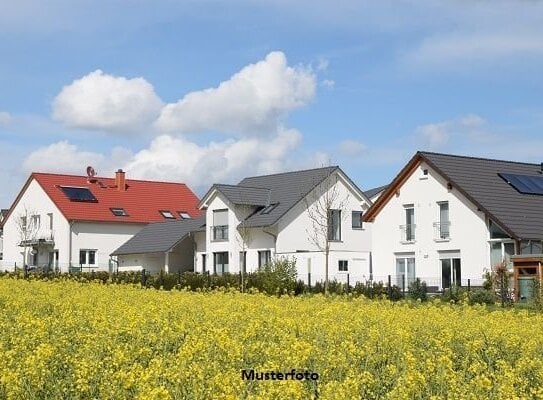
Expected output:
{"points": [[521, 215], [160, 237], [372, 192], [286, 190], [244, 195]]}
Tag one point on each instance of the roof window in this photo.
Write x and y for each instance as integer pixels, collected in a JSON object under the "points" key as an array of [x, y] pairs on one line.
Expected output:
{"points": [[167, 214], [184, 215], [269, 208], [119, 212], [78, 194]]}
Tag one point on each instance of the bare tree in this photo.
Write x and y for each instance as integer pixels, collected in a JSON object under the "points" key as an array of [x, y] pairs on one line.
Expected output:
{"points": [[244, 236], [28, 226], [325, 207]]}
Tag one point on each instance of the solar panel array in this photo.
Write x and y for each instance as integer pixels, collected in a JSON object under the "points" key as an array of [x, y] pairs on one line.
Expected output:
{"points": [[78, 194], [525, 184]]}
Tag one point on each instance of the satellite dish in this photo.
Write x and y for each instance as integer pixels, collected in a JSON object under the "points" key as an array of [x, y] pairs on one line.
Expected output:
{"points": [[90, 172]]}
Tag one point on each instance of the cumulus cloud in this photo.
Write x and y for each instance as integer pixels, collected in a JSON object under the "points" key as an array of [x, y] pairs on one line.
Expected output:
{"points": [[5, 118], [253, 102], [106, 102], [351, 148], [469, 128], [63, 157]]}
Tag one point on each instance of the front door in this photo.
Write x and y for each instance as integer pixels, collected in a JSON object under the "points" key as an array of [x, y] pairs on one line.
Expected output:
{"points": [[53, 260]]}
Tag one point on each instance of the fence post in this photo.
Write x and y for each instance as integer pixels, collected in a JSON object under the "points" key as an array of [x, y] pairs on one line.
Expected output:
{"points": [[469, 287], [348, 283], [403, 284], [25, 271], [309, 279], [240, 282], [143, 277], [208, 279], [389, 287]]}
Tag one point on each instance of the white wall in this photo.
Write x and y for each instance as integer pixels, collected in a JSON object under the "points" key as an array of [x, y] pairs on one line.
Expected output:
{"points": [[468, 231], [36, 201], [355, 245], [152, 262]]}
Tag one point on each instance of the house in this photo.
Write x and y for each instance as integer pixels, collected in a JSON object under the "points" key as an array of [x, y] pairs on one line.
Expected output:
{"points": [[3, 213], [266, 217], [66, 221], [373, 194], [447, 218]]}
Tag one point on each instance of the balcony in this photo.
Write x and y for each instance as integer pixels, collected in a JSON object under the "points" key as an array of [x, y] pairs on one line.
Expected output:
{"points": [[45, 236], [219, 233], [407, 233], [442, 231]]}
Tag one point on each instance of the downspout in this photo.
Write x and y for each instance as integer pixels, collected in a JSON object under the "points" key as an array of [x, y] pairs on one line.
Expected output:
{"points": [[70, 244]]}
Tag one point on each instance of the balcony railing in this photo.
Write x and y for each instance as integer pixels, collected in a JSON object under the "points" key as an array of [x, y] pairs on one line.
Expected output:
{"points": [[46, 236], [407, 233], [442, 230], [220, 233]]}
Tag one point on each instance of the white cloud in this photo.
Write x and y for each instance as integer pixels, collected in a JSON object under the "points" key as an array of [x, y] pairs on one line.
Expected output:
{"points": [[5, 118], [466, 129], [351, 148], [63, 157], [176, 158], [106, 102], [253, 102], [328, 83]]}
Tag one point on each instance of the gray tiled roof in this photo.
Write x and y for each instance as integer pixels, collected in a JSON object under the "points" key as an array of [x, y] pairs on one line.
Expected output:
{"points": [[372, 192], [244, 195], [520, 214], [160, 237], [286, 189]]}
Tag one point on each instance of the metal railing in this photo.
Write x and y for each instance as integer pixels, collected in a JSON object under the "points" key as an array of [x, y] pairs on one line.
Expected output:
{"points": [[219, 233], [407, 233], [42, 236], [442, 230]]}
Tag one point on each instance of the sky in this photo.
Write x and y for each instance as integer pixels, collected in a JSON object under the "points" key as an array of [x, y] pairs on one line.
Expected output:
{"points": [[206, 91]]}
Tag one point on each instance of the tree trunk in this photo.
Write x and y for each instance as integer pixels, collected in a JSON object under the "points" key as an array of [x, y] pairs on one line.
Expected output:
{"points": [[326, 254]]}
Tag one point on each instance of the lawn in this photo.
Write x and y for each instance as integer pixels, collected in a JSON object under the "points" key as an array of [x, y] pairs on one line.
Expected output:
{"points": [[65, 339]]}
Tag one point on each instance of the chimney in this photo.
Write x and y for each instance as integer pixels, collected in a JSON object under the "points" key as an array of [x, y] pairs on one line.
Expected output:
{"points": [[120, 180]]}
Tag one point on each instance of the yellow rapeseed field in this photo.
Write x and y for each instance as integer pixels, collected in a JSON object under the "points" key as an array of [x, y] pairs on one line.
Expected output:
{"points": [[93, 341]]}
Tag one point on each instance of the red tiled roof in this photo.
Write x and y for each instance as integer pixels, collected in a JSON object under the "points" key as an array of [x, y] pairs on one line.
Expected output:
{"points": [[142, 200]]}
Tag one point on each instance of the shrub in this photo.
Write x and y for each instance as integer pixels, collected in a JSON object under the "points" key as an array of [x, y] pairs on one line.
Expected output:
{"points": [[454, 294], [395, 293], [276, 277], [482, 296], [418, 290], [370, 289]]}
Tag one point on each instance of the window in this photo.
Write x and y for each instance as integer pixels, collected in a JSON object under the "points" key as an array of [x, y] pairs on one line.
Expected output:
{"points": [[264, 258], [184, 215], [334, 225], [204, 262], [531, 247], [268, 209], [357, 219], [50, 215], [496, 232], [408, 230], [451, 271], [119, 212], [243, 261], [23, 222], [220, 225], [220, 263], [35, 222], [405, 271], [167, 214], [343, 266], [78, 194], [502, 251], [443, 225], [87, 257]]}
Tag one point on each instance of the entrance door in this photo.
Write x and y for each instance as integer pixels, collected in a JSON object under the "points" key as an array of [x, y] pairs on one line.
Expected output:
{"points": [[53, 260], [451, 272], [525, 288]]}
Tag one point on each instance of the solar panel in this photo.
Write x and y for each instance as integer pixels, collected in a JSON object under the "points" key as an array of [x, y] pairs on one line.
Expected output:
{"points": [[78, 194], [525, 184]]}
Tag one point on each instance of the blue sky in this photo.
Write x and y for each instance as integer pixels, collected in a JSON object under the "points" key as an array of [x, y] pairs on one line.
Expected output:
{"points": [[212, 91]]}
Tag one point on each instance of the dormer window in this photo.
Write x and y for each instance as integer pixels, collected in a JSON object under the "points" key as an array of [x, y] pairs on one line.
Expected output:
{"points": [[119, 212], [167, 214], [184, 215], [268, 209]]}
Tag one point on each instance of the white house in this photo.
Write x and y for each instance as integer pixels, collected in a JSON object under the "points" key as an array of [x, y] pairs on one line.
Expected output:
{"points": [[266, 217], [3, 213], [447, 219], [62, 221]]}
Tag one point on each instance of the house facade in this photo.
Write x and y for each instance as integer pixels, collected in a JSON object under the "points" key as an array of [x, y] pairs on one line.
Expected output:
{"points": [[67, 221], [3, 213], [446, 219], [247, 225]]}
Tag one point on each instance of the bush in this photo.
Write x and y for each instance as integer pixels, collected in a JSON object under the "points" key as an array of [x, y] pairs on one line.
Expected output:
{"points": [[418, 290], [482, 296], [370, 289], [454, 294], [276, 277], [395, 293]]}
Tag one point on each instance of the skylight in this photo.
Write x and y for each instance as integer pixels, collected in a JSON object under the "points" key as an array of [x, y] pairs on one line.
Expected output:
{"points": [[184, 215], [119, 212], [78, 194], [269, 208], [167, 214]]}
